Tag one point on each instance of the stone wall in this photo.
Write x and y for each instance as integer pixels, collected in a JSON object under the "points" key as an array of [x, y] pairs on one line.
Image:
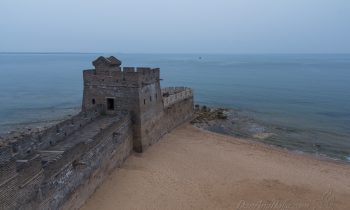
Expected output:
{"points": [[170, 117], [149, 114], [27, 144], [120, 85], [112, 153], [172, 95], [8, 185], [136, 90], [8, 193], [7, 170], [5, 154], [74, 183], [61, 166], [71, 177]]}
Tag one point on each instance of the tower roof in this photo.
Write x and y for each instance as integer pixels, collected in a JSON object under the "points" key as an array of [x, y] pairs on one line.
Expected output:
{"points": [[110, 61]]}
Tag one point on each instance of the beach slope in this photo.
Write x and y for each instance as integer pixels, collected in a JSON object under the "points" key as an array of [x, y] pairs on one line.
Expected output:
{"points": [[196, 169]]}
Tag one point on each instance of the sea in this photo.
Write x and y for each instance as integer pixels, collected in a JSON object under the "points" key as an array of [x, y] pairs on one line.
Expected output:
{"points": [[306, 96]]}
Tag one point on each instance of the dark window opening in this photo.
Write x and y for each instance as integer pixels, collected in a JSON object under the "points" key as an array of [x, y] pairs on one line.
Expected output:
{"points": [[150, 98], [144, 101], [110, 103], [93, 101]]}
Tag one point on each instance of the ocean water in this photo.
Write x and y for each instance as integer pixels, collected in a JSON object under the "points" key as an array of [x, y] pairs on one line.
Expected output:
{"points": [[305, 96]]}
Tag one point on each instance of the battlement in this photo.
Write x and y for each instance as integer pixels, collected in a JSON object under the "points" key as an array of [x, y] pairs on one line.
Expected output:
{"points": [[27, 144], [127, 76], [172, 95]]}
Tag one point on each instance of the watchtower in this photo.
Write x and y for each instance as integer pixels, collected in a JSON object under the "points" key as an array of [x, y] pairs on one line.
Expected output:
{"points": [[137, 90]]}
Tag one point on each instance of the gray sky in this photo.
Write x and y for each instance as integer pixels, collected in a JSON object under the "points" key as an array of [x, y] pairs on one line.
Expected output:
{"points": [[175, 26]]}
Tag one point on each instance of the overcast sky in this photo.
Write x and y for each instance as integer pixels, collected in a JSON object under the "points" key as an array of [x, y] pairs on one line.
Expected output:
{"points": [[175, 26]]}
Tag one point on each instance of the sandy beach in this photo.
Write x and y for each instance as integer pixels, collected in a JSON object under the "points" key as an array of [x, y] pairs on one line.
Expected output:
{"points": [[190, 168]]}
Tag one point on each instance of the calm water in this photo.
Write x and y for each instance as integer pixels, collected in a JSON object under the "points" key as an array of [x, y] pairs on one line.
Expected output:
{"points": [[307, 95]]}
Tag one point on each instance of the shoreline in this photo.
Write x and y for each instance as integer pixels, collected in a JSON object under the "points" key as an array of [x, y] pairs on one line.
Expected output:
{"points": [[267, 146], [192, 168], [231, 122]]}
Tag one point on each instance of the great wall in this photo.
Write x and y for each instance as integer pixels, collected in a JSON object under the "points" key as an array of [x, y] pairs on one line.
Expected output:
{"points": [[123, 110]]}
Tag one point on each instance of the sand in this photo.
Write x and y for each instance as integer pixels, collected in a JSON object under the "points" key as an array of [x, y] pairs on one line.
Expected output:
{"points": [[190, 168]]}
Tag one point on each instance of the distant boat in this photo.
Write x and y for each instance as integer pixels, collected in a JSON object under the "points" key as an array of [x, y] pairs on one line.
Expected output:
{"points": [[200, 58]]}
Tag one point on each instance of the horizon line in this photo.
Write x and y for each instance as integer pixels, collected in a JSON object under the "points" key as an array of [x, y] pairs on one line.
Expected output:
{"points": [[189, 53]]}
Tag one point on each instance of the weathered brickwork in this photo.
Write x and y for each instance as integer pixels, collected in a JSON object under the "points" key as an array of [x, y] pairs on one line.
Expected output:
{"points": [[123, 109], [136, 90]]}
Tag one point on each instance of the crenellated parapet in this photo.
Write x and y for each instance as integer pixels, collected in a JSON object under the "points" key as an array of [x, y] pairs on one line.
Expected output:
{"points": [[127, 77], [172, 95], [28, 144]]}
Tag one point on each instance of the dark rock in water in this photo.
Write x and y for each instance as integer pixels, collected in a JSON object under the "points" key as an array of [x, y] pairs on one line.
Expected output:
{"points": [[205, 114], [221, 115]]}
